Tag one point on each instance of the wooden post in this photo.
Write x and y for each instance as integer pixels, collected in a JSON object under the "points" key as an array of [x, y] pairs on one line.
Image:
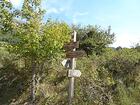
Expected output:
{"points": [[71, 79]]}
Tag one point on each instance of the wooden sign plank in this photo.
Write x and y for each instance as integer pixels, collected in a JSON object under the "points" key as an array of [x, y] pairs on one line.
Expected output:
{"points": [[70, 46], [74, 54], [74, 73]]}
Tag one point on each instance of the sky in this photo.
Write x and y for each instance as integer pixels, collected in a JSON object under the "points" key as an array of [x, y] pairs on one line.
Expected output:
{"points": [[122, 15]]}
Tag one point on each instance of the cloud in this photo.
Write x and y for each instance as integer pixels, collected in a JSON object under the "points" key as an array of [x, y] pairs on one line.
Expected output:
{"points": [[55, 6], [77, 15], [16, 3], [58, 6], [52, 10], [55, 10]]}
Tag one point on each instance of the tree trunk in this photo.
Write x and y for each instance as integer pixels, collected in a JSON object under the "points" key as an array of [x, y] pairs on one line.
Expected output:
{"points": [[33, 84]]}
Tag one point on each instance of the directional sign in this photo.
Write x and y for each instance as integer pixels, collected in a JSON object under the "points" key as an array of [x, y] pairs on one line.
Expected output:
{"points": [[70, 46], [74, 54], [74, 73], [66, 63]]}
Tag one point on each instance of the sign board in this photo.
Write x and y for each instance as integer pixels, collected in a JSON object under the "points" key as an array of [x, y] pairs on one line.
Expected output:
{"points": [[74, 54], [74, 73], [70, 46], [66, 63]]}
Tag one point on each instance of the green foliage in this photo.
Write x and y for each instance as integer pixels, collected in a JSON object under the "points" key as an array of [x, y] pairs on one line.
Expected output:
{"points": [[44, 43], [122, 96], [109, 76], [93, 39], [137, 47], [6, 16], [35, 42], [31, 9], [35, 38], [123, 65], [92, 88]]}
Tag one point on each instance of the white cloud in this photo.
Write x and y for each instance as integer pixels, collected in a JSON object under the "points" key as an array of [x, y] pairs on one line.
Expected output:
{"points": [[52, 10], [77, 15], [62, 9], [57, 6], [55, 10], [16, 2]]}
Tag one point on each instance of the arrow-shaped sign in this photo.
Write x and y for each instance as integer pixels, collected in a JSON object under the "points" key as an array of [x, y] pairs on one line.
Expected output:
{"points": [[70, 46], [66, 63], [74, 54]]}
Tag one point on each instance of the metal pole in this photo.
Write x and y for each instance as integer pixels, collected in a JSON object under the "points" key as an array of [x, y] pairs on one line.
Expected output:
{"points": [[71, 79]]}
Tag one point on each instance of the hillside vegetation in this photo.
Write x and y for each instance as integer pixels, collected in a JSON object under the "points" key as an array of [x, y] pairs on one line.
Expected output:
{"points": [[31, 52]]}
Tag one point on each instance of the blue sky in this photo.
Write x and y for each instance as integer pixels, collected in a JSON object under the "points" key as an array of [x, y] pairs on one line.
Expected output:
{"points": [[122, 15]]}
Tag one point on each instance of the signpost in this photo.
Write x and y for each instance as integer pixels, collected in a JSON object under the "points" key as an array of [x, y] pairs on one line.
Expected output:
{"points": [[71, 79], [71, 53]]}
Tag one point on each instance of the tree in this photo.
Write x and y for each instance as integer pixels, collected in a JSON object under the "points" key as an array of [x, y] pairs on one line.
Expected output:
{"points": [[93, 39], [137, 47], [35, 40], [6, 16]]}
